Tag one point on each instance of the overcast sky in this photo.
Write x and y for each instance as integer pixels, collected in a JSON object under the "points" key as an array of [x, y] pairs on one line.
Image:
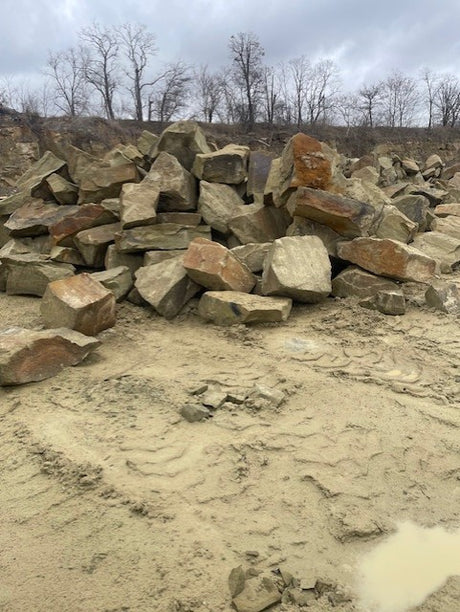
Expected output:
{"points": [[366, 38]]}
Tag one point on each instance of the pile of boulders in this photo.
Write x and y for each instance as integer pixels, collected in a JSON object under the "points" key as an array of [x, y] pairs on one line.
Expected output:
{"points": [[171, 218]]}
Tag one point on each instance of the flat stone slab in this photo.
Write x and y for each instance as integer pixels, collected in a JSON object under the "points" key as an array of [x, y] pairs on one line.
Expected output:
{"points": [[29, 274], [231, 307], [164, 237], [355, 282], [390, 258], [36, 218], [81, 218], [28, 356], [80, 303]]}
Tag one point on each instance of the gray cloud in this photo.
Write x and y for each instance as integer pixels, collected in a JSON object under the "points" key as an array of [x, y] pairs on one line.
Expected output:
{"points": [[366, 39]]}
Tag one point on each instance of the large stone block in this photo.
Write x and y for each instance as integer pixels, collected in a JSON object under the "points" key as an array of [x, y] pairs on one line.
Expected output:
{"points": [[29, 274], [218, 204], [258, 171], [389, 258], [449, 225], [62, 190], [259, 224], [101, 181], [231, 307], [117, 280], [166, 286], [228, 165], [37, 217], [355, 282], [443, 248], [215, 267], [93, 243], [347, 217], [297, 267], [80, 303], [395, 225], [80, 218], [32, 181], [184, 140], [138, 204], [252, 254], [28, 356], [165, 237], [177, 187]]}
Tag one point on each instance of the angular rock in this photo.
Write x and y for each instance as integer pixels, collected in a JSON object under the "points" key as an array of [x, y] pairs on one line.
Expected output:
{"points": [[303, 164], [230, 307], [147, 144], [32, 181], [101, 181], [435, 196], [433, 161], [114, 259], [347, 217], [257, 224], [78, 162], [252, 254], [218, 204], [63, 190], [443, 296], [445, 210], [117, 280], [36, 218], [28, 356], [415, 207], [92, 243], [258, 171], [80, 303], [16, 200], [410, 166], [395, 225], [165, 236], [389, 258], [367, 173], [138, 204], [388, 302], [191, 219], [297, 267], [178, 189], [272, 186], [67, 255], [354, 282], [258, 594], [449, 225], [153, 257], [123, 153], [443, 248], [305, 227], [228, 165], [184, 140], [213, 266], [166, 286], [194, 414], [29, 274], [78, 219]]}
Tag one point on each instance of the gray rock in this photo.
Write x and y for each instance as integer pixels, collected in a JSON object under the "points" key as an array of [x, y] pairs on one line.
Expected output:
{"points": [[177, 187], [443, 296], [355, 282], [184, 140], [258, 594], [138, 204], [30, 274], [164, 236], [232, 307], [117, 280], [259, 224], [443, 248], [194, 414], [228, 165], [92, 243], [395, 225], [258, 171], [415, 208], [36, 218], [218, 204], [389, 302], [114, 259], [252, 254]]}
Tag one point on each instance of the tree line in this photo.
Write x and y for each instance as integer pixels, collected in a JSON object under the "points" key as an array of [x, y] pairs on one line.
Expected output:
{"points": [[111, 72]]}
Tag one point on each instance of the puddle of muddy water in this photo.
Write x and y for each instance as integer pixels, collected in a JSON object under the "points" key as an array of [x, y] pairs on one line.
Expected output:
{"points": [[410, 565]]}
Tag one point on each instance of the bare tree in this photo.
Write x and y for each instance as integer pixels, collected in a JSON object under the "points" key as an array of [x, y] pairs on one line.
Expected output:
{"points": [[322, 89], [208, 92], [171, 94], [348, 111], [247, 54], [430, 80], [400, 99], [370, 98], [447, 100], [300, 73], [102, 68], [272, 97], [139, 47], [67, 70]]}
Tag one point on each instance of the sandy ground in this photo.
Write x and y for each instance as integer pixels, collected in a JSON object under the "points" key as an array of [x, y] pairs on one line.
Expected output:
{"points": [[112, 501]]}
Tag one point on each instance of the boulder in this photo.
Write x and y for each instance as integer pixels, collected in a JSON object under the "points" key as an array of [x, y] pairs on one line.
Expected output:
{"points": [[62, 190], [114, 259], [218, 204], [215, 267], [272, 186], [166, 286], [68, 255], [32, 181], [355, 282], [138, 204], [259, 224], [117, 280], [17, 200], [147, 144], [101, 181], [29, 274], [28, 355], [164, 237], [443, 296], [347, 217], [449, 225], [79, 302], [184, 140], [410, 166], [305, 227], [414, 207], [297, 267], [368, 174], [252, 254], [395, 225], [388, 302], [153, 257], [228, 165], [78, 162], [78, 219], [390, 258], [36, 218], [92, 243], [258, 594], [231, 307], [303, 164], [443, 248], [177, 187], [435, 196], [192, 219], [445, 210], [433, 161], [258, 171]]}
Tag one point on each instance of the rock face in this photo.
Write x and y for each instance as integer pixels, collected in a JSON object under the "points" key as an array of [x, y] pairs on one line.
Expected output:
{"points": [[33, 179], [218, 204], [230, 307], [80, 303], [166, 286], [347, 217], [415, 208], [354, 282], [164, 237], [184, 140], [297, 267], [63, 190], [258, 171], [215, 267], [389, 258], [228, 165], [252, 255], [29, 356], [303, 164], [447, 225]]}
